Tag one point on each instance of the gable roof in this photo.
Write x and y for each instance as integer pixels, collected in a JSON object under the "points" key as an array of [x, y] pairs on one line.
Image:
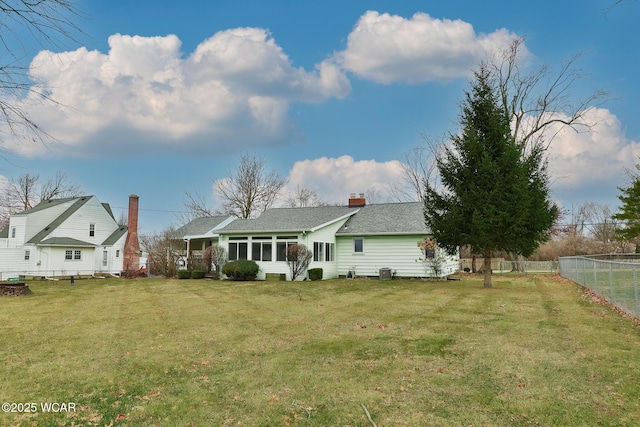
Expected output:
{"points": [[290, 219], [80, 201], [201, 226], [46, 204], [116, 235], [386, 219]]}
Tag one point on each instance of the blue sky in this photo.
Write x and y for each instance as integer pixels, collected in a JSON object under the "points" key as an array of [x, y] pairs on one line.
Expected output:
{"points": [[162, 97]]}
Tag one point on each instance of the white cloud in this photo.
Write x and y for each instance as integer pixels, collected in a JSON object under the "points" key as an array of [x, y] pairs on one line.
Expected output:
{"points": [[581, 160], [389, 48], [334, 179], [235, 87]]}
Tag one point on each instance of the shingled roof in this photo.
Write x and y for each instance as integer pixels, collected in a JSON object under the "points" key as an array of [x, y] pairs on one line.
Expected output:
{"points": [[79, 202], [201, 226], [386, 219], [290, 219]]}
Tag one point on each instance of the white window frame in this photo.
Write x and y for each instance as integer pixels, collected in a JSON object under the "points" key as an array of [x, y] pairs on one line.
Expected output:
{"points": [[27, 254], [355, 251]]}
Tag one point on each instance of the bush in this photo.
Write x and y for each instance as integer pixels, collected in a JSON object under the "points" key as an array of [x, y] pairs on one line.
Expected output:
{"points": [[241, 270], [315, 274], [184, 274], [197, 274]]}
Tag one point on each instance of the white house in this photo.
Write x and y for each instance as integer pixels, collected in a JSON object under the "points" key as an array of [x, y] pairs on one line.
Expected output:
{"points": [[357, 239], [76, 236]]}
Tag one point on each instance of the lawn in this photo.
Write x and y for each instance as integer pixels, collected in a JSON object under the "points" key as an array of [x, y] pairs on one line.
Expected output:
{"points": [[532, 351]]}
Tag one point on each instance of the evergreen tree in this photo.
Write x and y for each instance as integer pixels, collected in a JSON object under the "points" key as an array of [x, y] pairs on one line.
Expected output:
{"points": [[630, 213], [494, 197]]}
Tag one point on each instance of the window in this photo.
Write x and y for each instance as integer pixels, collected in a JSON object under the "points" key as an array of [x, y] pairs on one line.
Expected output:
{"points": [[358, 245], [117, 253], [27, 255], [261, 251], [68, 255], [281, 250], [329, 251], [429, 253], [105, 255], [323, 251], [92, 230], [77, 254], [13, 232], [237, 248]]}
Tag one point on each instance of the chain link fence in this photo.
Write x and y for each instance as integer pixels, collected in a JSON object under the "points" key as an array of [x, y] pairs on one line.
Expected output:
{"points": [[614, 277]]}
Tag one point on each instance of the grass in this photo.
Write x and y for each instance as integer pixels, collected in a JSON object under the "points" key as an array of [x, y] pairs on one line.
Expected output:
{"points": [[531, 351]]}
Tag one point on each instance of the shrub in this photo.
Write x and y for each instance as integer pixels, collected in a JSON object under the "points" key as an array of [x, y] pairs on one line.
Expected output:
{"points": [[241, 270], [197, 274], [184, 274], [298, 260], [315, 274]]}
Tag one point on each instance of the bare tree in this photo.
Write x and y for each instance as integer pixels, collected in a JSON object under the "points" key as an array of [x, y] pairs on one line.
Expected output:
{"points": [[164, 251], [218, 259], [303, 198], [45, 21], [195, 206], [250, 189], [540, 98], [27, 191], [298, 260], [419, 168]]}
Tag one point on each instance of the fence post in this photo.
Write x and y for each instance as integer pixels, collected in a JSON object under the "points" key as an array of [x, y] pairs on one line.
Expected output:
{"points": [[635, 289], [611, 281]]}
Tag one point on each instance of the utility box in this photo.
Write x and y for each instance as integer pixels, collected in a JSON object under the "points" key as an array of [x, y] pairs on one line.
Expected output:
{"points": [[385, 274]]}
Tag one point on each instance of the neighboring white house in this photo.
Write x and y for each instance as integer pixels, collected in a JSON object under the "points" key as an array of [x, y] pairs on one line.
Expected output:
{"points": [[76, 236], [358, 240]]}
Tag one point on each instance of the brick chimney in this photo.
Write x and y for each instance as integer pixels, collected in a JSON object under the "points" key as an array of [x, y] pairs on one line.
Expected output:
{"points": [[357, 201], [131, 245]]}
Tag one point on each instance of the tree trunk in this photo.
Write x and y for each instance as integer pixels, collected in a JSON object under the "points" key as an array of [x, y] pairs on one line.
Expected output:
{"points": [[473, 264], [487, 268]]}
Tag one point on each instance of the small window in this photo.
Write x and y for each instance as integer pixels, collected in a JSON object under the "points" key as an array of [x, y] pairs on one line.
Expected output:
{"points": [[429, 253], [358, 245], [68, 255], [13, 232], [92, 230], [105, 256], [117, 253], [328, 252], [77, 254], [27, 255]]}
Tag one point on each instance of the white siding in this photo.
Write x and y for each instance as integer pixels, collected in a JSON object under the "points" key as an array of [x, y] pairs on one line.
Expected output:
{"points": [[114, 263], [399, 253], [77, 225], [325, 235]]}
